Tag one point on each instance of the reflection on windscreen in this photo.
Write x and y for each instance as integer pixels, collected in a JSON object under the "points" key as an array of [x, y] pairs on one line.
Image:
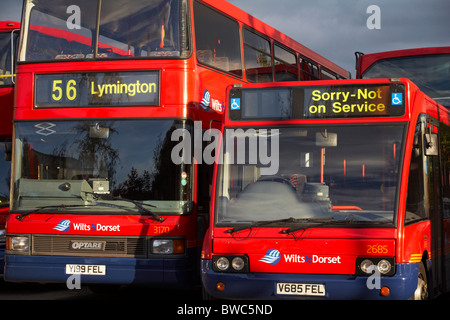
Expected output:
{"points": [[5, 171], [431, 73], [63, 163], [127, 29], [346, 172]]}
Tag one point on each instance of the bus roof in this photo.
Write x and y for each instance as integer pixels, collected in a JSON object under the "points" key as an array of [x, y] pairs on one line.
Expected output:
{"points": [[258, 25], [366, 60]]}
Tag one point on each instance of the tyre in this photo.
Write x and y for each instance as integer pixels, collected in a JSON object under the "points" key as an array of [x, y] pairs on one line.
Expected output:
{"points": [[421, 292]]}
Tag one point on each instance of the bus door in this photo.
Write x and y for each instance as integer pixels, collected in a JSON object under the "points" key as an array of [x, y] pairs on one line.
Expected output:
{"points": [[423, 197], [432, 175], [444, 144]]}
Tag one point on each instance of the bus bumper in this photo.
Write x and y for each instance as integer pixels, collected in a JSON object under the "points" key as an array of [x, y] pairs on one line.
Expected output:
{"points": [[337, 287], [123, 271]]}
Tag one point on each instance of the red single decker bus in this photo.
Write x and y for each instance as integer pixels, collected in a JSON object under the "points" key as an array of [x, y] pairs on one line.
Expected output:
{"points": [[330, 190], [428, 68], [100, 189], [9, 34]]}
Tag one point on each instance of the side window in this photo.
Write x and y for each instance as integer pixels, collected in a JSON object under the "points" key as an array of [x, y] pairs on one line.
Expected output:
{"points": [[257, 56], [327, 75], [6, 73], [285, 64], [308, 70], [217, 40]]}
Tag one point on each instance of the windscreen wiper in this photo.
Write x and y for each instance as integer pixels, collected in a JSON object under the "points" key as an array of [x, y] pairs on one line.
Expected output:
{"points": [[331, 221], [138, 204], [38, 209], [256, 224]]}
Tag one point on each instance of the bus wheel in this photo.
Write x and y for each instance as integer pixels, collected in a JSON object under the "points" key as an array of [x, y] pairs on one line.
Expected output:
{"points": [[421, 292]]}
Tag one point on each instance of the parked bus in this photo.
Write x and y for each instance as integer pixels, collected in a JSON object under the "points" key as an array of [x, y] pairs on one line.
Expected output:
{"points": [[9, 34], [100, 192], [330, 190], [429, 68]]}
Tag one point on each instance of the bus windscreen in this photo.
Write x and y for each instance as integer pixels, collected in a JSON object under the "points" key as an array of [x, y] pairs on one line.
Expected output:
{"points": [[317, 102]]}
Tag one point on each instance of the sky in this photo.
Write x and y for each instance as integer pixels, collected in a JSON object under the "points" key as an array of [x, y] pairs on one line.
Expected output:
{"points": [[337, 28]]}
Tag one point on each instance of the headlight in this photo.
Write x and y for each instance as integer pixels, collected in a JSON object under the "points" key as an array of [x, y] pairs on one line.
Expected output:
{"points": [[231, 263], [367, 266], [384, 266], [168, 246], [222, 263], [17, 244], [238, 263]]}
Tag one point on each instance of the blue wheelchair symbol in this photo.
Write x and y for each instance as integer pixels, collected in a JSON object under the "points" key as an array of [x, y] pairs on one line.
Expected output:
{"points": [[397, 99], [235, 104]]}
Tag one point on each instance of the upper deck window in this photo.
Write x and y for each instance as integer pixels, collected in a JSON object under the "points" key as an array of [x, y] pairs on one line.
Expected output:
{"points": [[258, 59], [56, 30], [217, 40], [285, 64], [431, 73]]}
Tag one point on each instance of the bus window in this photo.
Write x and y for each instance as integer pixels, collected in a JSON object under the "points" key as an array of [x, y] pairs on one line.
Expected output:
{"points": [[127, 29], [49, 37], [5, 59], [257, 56], [285, 64], [142, 28], [430, 72], [217, 40], [326, 75], [308, 71]]}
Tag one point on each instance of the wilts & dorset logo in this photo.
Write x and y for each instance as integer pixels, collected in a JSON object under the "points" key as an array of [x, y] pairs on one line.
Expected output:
{"points": [[63, 225], [272, 257]]}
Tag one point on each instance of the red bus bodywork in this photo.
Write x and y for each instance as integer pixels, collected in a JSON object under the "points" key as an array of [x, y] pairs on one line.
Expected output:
{"points": [[7, 109], [184, 84], [322, 262], [366, 60]]}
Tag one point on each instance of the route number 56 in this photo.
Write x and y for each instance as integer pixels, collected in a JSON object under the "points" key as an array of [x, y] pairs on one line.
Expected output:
{"points": [[58, 90]]}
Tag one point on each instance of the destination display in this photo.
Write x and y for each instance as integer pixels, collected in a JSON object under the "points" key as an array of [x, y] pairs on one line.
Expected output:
{"points": [[92, 89], [318, 102]]}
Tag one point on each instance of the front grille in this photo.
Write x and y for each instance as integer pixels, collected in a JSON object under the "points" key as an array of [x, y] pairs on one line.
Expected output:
{"points": [[60, 245]]}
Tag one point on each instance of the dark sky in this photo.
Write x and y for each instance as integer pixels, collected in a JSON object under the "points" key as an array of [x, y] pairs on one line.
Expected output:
{"points": [[11, 10], [338, 28]]}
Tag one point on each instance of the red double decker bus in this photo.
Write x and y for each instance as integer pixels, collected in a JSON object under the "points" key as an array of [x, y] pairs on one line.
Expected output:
{"points": [[428, 68], [330, 190], [9, 32], [100, 188]]}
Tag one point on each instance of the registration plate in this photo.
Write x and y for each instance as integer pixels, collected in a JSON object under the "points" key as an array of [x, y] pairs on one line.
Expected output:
{"points": [[88, 269], [301, 289]]}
